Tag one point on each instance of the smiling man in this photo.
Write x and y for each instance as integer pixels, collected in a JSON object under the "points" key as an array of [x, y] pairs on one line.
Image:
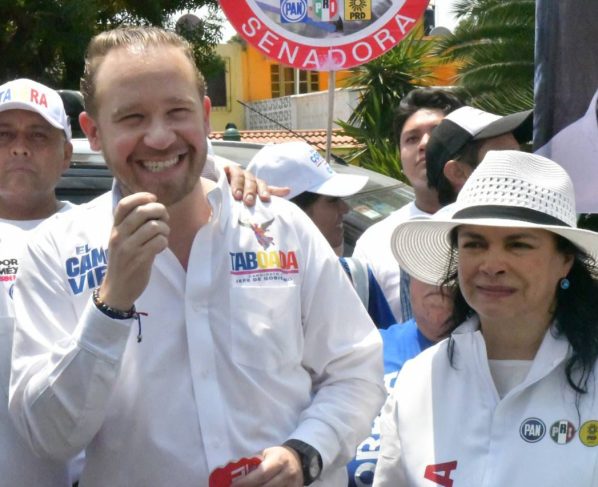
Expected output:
{"points": [[207, 341]]}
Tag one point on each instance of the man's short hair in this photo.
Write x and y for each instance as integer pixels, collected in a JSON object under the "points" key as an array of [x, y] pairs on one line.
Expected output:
{"points": [[423, 98], [103, 43]]}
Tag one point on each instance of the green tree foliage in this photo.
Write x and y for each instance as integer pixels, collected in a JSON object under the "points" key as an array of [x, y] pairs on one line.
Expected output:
{"points": [[46, 39], [494, 47], [383, 82]]}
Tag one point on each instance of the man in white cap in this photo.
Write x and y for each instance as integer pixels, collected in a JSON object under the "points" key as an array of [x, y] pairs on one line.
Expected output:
{"points": [[35, 149], [319, 190], [314, 186]]}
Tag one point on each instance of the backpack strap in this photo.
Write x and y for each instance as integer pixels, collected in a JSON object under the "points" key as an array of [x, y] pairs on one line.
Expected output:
{"points": [[358, 273]]}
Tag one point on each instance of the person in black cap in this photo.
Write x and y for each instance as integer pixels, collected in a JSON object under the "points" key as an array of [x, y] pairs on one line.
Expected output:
{"points": [[462, 139]]}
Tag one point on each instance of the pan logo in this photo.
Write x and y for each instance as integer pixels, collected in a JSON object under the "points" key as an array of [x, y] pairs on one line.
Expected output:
{"points": [[532, 430], [292, 11]]}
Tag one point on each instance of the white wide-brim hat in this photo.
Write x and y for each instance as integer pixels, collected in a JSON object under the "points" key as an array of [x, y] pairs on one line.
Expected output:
{"points": [[507, 189], [300, 167]]}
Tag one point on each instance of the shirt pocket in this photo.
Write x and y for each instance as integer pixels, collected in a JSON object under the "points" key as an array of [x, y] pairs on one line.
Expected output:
{"points": [[266, 328]]}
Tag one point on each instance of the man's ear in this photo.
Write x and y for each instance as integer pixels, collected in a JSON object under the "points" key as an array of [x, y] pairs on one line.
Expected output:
{"points": [[90, 129], [457, 173], [68, 155]]}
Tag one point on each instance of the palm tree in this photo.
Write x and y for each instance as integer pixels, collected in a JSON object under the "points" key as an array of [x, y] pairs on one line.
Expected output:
{"points": [[383, 82], [494, 47]]}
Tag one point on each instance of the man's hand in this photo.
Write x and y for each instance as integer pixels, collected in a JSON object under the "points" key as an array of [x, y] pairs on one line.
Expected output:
{"points": [[280, 467], [244, 186], [139, 233]]}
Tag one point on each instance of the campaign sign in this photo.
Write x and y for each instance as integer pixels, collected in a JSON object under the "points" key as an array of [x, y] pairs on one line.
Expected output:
{"points": [[323, 35], [225, 476]]}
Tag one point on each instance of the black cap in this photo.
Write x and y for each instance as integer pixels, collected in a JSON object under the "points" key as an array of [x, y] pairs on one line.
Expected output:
{"points": [[466, 124]]}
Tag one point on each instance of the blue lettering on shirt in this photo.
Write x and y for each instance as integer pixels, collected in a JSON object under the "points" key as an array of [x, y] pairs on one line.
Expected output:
{"points": [[87, 269]]}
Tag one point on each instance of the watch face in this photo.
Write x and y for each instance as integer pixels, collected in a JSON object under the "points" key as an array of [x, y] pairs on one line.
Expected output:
{"points": [[314, 467]]}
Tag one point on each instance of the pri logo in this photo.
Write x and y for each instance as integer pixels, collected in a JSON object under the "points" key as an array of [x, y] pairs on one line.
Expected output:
{"points": [[292, 11], [259, 231], [562, 432], [532, 430], [325, 10]]}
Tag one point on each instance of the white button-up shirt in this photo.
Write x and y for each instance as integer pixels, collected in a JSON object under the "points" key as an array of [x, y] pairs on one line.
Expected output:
{"points": [[260, 340]]}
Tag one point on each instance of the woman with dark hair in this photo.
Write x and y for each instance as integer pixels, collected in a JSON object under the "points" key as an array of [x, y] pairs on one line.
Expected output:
{"points": [[510, 398]]}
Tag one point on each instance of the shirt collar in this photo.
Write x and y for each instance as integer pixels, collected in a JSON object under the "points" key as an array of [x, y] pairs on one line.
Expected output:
{"points": [[220, 206]]}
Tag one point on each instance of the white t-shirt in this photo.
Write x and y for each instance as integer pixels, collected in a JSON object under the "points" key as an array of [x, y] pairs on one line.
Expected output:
{"points": [[18, 465], [373, 247]]}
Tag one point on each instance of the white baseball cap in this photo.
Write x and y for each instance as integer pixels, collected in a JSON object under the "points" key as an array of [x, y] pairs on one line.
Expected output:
{"points": [[25, 94], [299, 166]]}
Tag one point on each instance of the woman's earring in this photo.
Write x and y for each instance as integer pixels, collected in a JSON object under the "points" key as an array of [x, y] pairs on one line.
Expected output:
{"points": [[564, 284]]}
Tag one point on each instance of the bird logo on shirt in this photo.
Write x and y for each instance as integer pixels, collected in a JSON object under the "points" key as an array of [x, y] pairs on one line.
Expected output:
{"points": [[259, 230]]}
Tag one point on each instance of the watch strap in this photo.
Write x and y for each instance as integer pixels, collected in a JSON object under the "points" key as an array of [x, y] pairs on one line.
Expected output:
{"points": [[307, 455]]}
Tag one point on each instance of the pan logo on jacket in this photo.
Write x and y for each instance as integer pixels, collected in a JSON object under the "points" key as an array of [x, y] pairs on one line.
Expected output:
{"points": [[259, 230], [87, 268], [532, 430]]}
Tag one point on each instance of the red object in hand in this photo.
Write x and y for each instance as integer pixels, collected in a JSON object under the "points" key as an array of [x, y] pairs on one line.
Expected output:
{"points": [[224, 476]]}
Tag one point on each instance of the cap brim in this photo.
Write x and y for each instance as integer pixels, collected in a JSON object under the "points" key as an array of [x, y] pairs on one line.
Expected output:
{"points": [[422, 246], [340, 185], [19, 105], [520, 123]]}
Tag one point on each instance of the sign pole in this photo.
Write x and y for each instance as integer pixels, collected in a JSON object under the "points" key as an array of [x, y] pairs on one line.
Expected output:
{"points": [[331, 92]]}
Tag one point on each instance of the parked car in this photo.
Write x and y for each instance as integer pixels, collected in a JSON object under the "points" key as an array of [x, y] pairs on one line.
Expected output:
{"points": [[89, 177]]}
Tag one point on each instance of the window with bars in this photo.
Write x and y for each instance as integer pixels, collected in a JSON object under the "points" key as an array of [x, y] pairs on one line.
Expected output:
{"points": [[218, 86], [282, 80]]}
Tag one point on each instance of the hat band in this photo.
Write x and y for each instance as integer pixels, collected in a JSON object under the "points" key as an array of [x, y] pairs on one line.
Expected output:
{"points": [[510, 213]]}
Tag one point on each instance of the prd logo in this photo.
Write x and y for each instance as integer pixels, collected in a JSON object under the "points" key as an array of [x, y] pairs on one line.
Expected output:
{"points": [[292, 11], [358, 9], [532, 430], [588, 433]]}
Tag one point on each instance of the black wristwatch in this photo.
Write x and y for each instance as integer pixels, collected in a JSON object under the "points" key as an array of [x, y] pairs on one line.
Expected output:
{"points": [[311, 460]]}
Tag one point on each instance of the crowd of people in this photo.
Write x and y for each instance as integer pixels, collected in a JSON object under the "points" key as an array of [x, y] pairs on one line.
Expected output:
{"points": [[179, 330]]}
